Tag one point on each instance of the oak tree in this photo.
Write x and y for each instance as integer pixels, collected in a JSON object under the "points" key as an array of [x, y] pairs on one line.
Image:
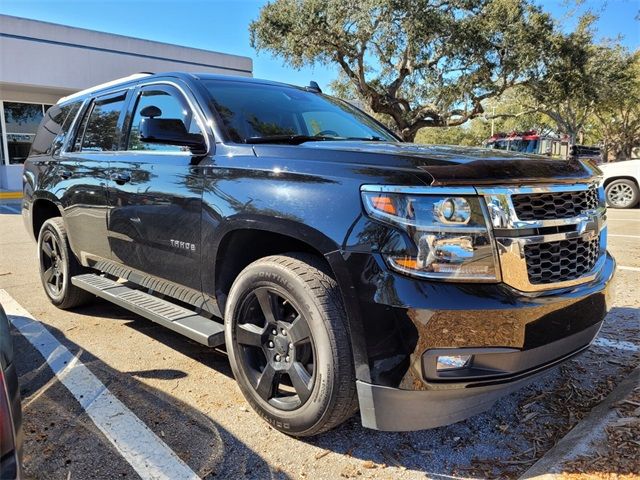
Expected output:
{"points": [[579, 77], [422, 63]]}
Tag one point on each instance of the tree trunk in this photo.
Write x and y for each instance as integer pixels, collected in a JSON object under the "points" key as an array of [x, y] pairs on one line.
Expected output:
{"points": [[408, 136]]}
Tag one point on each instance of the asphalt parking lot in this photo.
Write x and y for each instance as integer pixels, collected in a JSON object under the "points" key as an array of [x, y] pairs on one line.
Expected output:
{"points": [[182, 409]]}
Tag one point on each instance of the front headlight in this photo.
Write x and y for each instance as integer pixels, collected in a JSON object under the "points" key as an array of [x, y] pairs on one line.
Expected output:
{"points": [[449, 232]]}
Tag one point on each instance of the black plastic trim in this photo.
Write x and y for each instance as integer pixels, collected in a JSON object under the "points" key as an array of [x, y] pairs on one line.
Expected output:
{"points": [[392, 409]]}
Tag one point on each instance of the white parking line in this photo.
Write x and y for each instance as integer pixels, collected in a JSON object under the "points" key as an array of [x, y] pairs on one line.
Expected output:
{"points": [[150, 457], [623, 236], [631, 269], [10, 209], [617, 344]]}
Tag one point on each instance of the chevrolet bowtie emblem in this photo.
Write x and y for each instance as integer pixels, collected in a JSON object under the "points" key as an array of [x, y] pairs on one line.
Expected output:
{"points": [[589, 225]]}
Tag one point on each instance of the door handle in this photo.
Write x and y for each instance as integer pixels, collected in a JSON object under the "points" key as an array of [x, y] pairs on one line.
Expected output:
{"points": [[120, 177]]}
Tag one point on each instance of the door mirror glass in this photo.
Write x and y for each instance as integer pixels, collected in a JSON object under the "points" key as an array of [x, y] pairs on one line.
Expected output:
{"points": [[170, 131]]}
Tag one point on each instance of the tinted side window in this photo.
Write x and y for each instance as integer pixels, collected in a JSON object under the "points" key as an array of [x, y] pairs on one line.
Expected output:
{"points": [[100, 134], [66, 127], [172, 105], [77, 143], [54, 128]]}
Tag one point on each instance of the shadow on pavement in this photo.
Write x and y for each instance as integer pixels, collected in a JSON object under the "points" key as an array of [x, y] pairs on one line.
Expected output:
{"points": [[161, 374], [212, 358], [62, 441], [498, 443]]}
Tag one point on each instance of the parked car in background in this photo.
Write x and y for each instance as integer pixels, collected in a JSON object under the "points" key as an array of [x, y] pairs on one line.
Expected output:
{"points": [[551, 145], [10, 409], [621, 183]]}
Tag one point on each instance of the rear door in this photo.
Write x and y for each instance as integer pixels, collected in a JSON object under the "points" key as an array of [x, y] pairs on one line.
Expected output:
{"points": [[155, 194], [85, 167]]}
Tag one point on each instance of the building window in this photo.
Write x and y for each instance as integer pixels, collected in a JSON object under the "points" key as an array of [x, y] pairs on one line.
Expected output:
{"points": [[21, 124], [1, 144]]}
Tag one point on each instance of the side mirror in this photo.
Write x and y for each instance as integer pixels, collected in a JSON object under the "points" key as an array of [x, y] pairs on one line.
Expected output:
{"points": [[171, 131]]}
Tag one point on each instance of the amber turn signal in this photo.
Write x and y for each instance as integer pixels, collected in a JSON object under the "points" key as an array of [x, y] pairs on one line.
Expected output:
{"points": [[384, 204]]}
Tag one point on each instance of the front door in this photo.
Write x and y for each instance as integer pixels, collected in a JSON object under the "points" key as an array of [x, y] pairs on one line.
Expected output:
{"points": [[155, 196]]}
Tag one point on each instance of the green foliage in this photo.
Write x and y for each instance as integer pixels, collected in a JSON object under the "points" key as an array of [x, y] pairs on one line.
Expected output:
{"points": [[472, 134], [507, 114], [616, 118], [578, 76], [416, 63]]}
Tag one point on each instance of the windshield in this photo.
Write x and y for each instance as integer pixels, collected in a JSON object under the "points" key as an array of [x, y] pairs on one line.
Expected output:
{"points": [[255, 113], [523, 146]]}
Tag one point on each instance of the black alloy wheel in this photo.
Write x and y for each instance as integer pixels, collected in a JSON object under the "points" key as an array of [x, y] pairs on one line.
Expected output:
{"points": [[58, 265], [52, 264], [276, 348], [286, 333]]}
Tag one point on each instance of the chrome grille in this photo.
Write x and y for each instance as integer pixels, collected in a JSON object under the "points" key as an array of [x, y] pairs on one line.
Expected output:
{"points": [[552, 262], [548, 236], [554, 205]]}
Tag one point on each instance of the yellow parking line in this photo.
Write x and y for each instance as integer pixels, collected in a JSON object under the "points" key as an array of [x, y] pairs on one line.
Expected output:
{"points": [[10, 195]]}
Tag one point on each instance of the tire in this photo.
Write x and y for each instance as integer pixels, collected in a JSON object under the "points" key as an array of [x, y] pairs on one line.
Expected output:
{"points": [[58, 264], [304, 387], [622, 193]]}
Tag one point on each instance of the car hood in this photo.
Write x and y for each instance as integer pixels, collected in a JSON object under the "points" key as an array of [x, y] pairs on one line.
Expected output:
{"points": [[625, 167], [446, 165]]}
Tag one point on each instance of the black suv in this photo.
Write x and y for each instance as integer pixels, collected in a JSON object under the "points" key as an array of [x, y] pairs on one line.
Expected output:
{"points": [[340, 267]]}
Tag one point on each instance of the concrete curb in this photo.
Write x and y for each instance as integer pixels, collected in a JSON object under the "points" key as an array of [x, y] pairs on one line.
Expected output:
{"points": [[578, 440]]}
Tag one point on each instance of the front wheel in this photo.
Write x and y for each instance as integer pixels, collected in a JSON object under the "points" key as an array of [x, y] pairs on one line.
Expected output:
{"points": [[622, 193], [286, 334]]}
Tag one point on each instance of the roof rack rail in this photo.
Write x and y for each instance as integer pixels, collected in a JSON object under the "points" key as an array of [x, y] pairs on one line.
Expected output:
{"points": [[117, 81]]}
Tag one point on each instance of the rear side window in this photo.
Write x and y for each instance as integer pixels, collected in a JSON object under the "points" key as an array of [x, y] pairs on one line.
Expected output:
{"points": [[101, 130], [54, 129]]}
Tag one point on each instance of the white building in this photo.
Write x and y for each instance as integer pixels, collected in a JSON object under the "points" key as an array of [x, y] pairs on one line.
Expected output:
{"points": [[41, 62]]}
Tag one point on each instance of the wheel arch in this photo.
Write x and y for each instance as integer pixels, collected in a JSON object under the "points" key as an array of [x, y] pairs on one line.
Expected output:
{"points": [[609, 180], [242, 243], [245, 244], [42, 209]]}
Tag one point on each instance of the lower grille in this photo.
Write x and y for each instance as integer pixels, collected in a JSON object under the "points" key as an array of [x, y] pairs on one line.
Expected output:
{"points": [[561, 261], [553, 205]]}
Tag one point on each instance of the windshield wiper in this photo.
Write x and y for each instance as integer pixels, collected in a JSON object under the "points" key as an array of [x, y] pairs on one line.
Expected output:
{"points": [[289, 139], [372, 138], [298, 139]]}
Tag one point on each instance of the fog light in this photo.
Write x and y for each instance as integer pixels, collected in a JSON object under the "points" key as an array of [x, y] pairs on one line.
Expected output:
{"points": [[452, 362]]}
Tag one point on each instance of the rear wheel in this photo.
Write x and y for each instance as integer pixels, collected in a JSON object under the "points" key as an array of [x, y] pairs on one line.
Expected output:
{"points": [[58, 264], [286, 334], [622, 193]]}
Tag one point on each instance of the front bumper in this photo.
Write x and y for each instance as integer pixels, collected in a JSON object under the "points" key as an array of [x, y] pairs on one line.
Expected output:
{"points": [[514, 336], [393, 409]]}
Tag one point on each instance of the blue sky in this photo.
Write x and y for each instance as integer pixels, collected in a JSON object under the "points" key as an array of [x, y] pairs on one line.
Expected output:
{"points": [[222, 25]]}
